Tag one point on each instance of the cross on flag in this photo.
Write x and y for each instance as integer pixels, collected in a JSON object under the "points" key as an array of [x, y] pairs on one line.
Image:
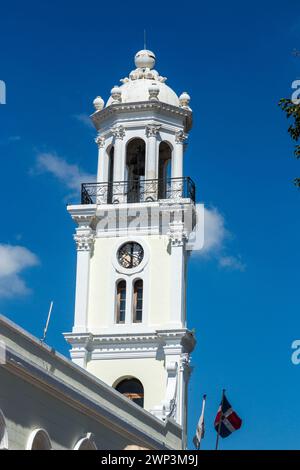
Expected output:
{"points": [[227, 421]]}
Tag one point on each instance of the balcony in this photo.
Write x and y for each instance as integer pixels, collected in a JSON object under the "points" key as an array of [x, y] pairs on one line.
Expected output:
{"points": [[138, 190]]}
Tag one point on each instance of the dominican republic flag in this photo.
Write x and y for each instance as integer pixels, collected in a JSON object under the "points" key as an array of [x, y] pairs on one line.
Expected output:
{"points": [[230, 421]]}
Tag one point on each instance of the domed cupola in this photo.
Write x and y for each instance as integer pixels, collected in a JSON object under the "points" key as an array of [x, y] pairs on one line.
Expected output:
{"points": [[144, 83]]}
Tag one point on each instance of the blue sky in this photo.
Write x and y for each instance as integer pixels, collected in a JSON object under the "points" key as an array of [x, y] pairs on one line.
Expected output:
{"points": [[234, 58]]}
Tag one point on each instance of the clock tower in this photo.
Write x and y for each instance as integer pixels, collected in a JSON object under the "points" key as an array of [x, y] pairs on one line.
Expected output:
{"points": [[133, 227]]}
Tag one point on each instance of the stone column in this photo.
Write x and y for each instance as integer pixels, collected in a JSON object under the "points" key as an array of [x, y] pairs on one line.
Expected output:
{"points": [[151, 163], [102, 163], [84, 239], [177, 237], [151, 170], [183, 379], [177, 164], [119, 164], [102, 176]]}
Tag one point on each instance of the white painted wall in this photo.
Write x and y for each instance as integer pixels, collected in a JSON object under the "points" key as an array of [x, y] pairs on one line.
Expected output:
{"points": [[156, 274], [149, 371]]}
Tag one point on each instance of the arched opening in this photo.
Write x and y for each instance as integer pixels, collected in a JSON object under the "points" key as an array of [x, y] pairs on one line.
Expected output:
{"points": [[133, 389], [86, 443], [137, 314], [110, 175], [39, 440], [135, 165], [121, 302], [164, 169], [3, 432]]}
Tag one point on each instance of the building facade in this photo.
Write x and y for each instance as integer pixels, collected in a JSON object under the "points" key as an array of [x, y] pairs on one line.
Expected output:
{"points": [[126, 386], [47, 402], [133, 224]]}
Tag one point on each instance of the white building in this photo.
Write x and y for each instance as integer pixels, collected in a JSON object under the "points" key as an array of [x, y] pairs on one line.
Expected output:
{"points": [[130, 333], [133, 224]]}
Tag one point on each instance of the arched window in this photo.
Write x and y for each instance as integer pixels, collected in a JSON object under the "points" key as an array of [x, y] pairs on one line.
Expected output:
{"points": [[164, 169], [39, 440], [135, 164], [3, 432], [137, 316], [121, 302], [86, 443], [132, 389]]}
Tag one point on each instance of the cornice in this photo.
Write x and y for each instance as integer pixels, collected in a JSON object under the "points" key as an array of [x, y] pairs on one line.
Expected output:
{"points": [[101, 116]]}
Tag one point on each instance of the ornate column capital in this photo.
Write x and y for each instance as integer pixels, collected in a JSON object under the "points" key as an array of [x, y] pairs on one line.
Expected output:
{"points": [[184, 363], [176, 234], [118, 132], [180, 137], [152, 130], [100, 141], [84, 241]]}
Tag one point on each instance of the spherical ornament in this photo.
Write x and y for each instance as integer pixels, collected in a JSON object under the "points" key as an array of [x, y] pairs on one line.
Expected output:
{"points": [[153, 92], [144, 59], [98, 103], [184, 99]]}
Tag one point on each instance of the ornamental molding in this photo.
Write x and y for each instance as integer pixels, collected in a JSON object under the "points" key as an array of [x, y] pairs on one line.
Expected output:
{"points": [[177, 235], [152, 130], [129, 345], [116, 109], [118, 132], [84, 215], [180, 137], [84, 241]]}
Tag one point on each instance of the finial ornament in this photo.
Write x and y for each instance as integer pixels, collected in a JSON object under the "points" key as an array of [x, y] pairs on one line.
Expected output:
{"points": [[180, 136], [98, 103], [184, 100], [144, 59], [116, 94], [118, 132], [153, 92]]}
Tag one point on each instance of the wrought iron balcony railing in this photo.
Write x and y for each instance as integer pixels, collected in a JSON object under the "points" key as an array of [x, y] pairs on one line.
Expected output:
{"points": [[138, 190]]}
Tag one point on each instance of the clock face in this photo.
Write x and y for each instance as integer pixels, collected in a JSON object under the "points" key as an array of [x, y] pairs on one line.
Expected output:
{"points": [[130, 255]]}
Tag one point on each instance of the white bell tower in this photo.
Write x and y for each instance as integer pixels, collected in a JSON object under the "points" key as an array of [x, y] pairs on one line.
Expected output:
{"points": [[133, 224]]}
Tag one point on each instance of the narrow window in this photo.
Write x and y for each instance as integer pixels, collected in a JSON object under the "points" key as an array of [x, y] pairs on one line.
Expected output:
{"points": [[138, 301], [121, 302]]}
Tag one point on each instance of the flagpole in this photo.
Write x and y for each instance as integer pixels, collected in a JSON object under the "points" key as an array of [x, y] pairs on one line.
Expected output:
{"points": [[220, 422], [202, 414]]}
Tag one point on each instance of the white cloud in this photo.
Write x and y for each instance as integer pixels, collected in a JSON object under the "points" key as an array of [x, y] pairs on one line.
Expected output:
{"points": [[84, 119], [214, 239], [70, 175], [13, 260], [10, 139], [232, 262]]}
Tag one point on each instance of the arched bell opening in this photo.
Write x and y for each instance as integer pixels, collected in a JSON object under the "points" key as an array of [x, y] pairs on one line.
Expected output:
{"points": [[135, 165], [164, 169], [133, 389]]}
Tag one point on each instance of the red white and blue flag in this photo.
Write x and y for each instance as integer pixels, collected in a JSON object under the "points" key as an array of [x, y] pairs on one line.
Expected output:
{"points": [[227, 421]]}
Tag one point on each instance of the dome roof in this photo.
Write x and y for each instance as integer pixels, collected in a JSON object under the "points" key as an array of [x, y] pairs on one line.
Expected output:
{"points": [[143, 84], [138, 90]]}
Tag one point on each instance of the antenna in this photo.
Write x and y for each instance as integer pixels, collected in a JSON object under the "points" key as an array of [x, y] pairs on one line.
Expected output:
{"points": [[47, 322], [145, 39]]}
